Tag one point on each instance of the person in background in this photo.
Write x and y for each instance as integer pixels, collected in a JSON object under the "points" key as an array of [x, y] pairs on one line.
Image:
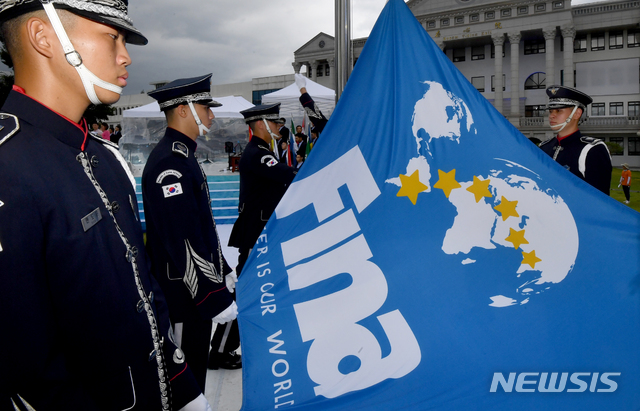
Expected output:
{"points": [[104, 128], [299, 160], [117, 134], [182, 240], [586, 157], [625, 182], [87, 323]]}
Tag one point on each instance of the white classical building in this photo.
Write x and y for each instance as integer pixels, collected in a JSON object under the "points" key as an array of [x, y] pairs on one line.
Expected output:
{"points": [[511, 50]]}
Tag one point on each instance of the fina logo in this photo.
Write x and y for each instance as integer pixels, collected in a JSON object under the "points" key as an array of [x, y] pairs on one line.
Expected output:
{"points": [[537, 382]]}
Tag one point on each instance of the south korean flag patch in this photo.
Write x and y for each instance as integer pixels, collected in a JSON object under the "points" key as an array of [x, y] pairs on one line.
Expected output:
{"points": [[269, 160], [172, 190]]}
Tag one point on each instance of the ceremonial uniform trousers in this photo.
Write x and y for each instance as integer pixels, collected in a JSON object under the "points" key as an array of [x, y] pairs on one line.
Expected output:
{"points": [[586, 157], [263, 182], [86, 327], [184, 247]]}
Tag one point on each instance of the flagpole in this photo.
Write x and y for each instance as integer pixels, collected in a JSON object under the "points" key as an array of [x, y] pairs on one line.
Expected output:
{"points": [[342, 45]]}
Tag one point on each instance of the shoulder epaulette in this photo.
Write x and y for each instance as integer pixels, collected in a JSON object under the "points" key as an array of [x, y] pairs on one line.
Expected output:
{"points": [[590, 140], [103, 141], [545, 142], [180, 148], [9, 126]]}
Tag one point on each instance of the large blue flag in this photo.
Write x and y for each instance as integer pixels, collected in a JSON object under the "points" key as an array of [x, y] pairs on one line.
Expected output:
{"points": [[429, 257]]}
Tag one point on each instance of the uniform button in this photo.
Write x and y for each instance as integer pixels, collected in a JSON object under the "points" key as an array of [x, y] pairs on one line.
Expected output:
{"points": [[94, 161], [115, 207], [178, 356], [140, 306]]}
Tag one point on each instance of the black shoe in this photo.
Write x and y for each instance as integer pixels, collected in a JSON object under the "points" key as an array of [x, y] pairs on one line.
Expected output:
{"points": [[227, 361]]}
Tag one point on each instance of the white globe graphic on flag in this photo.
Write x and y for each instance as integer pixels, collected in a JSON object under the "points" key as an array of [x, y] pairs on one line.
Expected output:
{"points": [[506, 208]]}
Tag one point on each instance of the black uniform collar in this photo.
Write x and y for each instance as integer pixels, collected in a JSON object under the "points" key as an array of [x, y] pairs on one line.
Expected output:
{"points": [[40, 116], [174, 135], [261, 142], [570, 139]]}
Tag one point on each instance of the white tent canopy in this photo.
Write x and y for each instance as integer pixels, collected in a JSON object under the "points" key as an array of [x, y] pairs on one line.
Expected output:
{"points": [[289, 96], [231, 107]]}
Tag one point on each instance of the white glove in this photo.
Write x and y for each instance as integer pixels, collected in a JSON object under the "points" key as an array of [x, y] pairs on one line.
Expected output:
{"points": [[200, 403], [229, 314], [301, 81], [231, 280]]}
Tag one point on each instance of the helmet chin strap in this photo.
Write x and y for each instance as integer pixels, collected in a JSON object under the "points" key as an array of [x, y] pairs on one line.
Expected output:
{"points": [[562, 125], [201, 128], [271, 133], [89, 80]]}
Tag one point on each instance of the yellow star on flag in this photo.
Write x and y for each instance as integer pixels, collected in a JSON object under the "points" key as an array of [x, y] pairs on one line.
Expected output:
{"points": [[530, 258], [411, 186], [507, 208], [447, 182], [480, 188], [516, 237]]}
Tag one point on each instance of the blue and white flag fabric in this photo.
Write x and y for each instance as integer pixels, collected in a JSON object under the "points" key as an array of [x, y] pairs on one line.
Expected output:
{"points": [[429, 257]]}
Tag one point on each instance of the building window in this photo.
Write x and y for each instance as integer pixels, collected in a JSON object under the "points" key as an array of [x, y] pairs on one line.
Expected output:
{"points": [[634, 146], [431, 24], [541, 7], [597, 109], [558, 4], [580, 44], [458, 55], [633, 109], [477, 53], [504, 82], [478, 83], [535, 81], [505, 13], [257, 95], [523, 10], [633, 38], [474, 17], [490, 15], [536, 46], [444, 22], [460, 20], [327, 70], [320, 70], [535, 111], [616, 109], [493, 51], [620, 142], [615, 40], [597, 41]]}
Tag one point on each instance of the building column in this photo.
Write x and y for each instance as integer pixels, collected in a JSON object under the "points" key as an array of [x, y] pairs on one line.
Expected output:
{"points": [[550, 40], [514, 39], [296, 67], [568, 33], [314, 70], [498, 42]]}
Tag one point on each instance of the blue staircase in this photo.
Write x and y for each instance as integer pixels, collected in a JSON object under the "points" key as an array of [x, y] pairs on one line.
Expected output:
{"points": [[224, 191]]}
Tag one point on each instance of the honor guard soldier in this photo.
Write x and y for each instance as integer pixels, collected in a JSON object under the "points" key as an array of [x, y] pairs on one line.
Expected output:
{"points": [[182, 240], [263, 180], [88, 326], [586, 157]]}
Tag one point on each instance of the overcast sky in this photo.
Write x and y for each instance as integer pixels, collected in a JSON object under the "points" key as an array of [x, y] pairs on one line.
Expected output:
{"points": [[236, 40]]}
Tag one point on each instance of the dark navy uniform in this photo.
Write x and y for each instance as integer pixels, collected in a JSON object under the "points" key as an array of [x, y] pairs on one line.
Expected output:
{"points": [[263, 182], [86, 326], [183, 243], [586, 157], [315, 115]]}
